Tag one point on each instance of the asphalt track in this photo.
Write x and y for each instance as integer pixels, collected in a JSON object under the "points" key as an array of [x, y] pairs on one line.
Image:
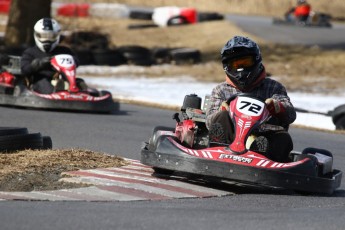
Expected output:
{"points": [[122, 134]]}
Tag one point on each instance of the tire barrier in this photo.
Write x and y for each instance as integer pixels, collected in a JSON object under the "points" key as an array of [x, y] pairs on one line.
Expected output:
{"points": [[110, 57], [181, 56], [141, 14], [209, 16], [176, 56], [137, 55], [18, 138]]}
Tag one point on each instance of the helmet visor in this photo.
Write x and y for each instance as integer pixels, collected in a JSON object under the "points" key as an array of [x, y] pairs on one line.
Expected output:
{"points": [[240, 63], [47, 36]]}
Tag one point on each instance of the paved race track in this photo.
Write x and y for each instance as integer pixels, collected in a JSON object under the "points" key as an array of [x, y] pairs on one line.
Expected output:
{"points": [[263, 27], [122, 134]]}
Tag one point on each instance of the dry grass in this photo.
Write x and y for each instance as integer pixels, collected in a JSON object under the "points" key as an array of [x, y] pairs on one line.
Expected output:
{"points": [[40, 169]]}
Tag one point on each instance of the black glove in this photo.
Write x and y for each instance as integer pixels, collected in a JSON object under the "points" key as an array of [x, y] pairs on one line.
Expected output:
{"points": [[40, 63]]}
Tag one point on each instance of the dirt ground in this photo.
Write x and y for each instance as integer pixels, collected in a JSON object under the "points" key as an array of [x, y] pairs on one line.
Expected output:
{"points": [[299, 68], [30, 170]]}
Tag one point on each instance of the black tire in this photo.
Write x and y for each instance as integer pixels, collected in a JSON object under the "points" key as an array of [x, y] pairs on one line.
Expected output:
{"points": [[182, 56], [137, 55], [85, 56], [141, 26], [47, 142], [161, 55], [340, 123], [5, 131], [202, 16], [20, 142], [162, 172], [108, 57], [142, 15], [18, 90], [87, 40]]}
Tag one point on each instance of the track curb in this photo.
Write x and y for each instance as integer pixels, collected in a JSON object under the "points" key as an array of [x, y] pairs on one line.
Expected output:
{"points": [[132, 182]]}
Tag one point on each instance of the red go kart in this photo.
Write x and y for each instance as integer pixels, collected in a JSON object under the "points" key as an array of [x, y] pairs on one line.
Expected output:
{"points": [[186, 149], [66, 97]]}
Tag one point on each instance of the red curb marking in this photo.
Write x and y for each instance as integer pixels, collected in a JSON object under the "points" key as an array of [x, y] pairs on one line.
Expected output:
{"points": [[124, 172], [162, 186], [16, 197], [76, 195], [133, 192]]}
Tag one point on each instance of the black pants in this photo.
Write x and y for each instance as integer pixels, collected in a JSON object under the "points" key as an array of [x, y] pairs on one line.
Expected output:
{"points": [[275, 145], [43, 86]]}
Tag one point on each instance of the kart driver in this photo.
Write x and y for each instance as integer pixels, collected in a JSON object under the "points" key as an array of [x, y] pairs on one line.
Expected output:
{"points": [[300, 12], [35, 61], [245, 73]]}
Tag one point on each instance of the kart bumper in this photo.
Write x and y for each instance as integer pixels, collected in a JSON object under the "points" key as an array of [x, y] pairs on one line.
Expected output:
{"points": [[33, 101], [167, 156]]}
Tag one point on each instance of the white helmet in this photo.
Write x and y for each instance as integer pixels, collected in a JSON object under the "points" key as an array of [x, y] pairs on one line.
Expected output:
{"points": [[47, 34]]}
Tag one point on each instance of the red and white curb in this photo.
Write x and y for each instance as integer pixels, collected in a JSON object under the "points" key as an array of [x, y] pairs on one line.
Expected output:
{"points": [[127, 183]]}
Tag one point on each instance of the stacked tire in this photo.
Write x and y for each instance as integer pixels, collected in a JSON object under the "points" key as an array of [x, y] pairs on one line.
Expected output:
{"points": [[137, 55], [93, 48], [17, 138], [177, 56]]}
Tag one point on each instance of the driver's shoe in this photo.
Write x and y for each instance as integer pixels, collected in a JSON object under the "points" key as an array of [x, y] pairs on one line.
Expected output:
{"points": [[59, 86], [216, 134]]}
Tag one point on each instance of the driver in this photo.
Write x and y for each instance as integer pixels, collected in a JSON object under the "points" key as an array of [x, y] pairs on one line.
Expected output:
{"points": [[300, 12], [35, 61], [245, 73]]}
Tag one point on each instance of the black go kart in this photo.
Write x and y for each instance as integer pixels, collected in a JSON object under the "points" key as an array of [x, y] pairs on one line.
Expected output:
{"points": [[315, 19], [68, 97], [186, 149]]}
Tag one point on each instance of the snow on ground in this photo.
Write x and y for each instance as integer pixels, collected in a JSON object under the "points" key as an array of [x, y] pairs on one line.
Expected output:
{"points": [[171, 91]]}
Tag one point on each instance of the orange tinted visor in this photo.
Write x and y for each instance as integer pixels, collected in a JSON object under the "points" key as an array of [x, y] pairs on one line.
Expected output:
{"points": [[242, 62]]}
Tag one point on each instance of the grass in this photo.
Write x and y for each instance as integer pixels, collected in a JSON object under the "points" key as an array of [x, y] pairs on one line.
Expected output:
{"points": [[299, 68]]}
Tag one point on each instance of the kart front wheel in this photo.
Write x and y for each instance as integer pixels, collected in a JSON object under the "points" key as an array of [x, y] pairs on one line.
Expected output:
{"points": [[165, 172]]}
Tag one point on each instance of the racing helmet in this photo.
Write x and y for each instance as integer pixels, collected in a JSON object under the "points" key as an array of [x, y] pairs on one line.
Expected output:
{"points": [[242, 62], [47, 34]]}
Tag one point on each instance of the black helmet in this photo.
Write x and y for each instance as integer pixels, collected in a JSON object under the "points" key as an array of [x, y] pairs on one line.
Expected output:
{"points": [[241, 60]]}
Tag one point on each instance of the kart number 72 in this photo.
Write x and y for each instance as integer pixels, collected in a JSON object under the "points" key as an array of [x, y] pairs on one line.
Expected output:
{"points": [[249, 106]]}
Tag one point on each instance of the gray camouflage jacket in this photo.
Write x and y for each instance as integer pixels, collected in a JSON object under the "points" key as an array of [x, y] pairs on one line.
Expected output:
{"points": [[269, 88]]}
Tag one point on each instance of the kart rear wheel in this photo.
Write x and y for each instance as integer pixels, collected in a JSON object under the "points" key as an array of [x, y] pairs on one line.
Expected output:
{"points": [[340, 123]]}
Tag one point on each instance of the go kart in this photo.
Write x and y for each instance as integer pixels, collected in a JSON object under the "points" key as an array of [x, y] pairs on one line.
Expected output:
{"points": [[68, 96], [186, 149], [315, 19]]}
